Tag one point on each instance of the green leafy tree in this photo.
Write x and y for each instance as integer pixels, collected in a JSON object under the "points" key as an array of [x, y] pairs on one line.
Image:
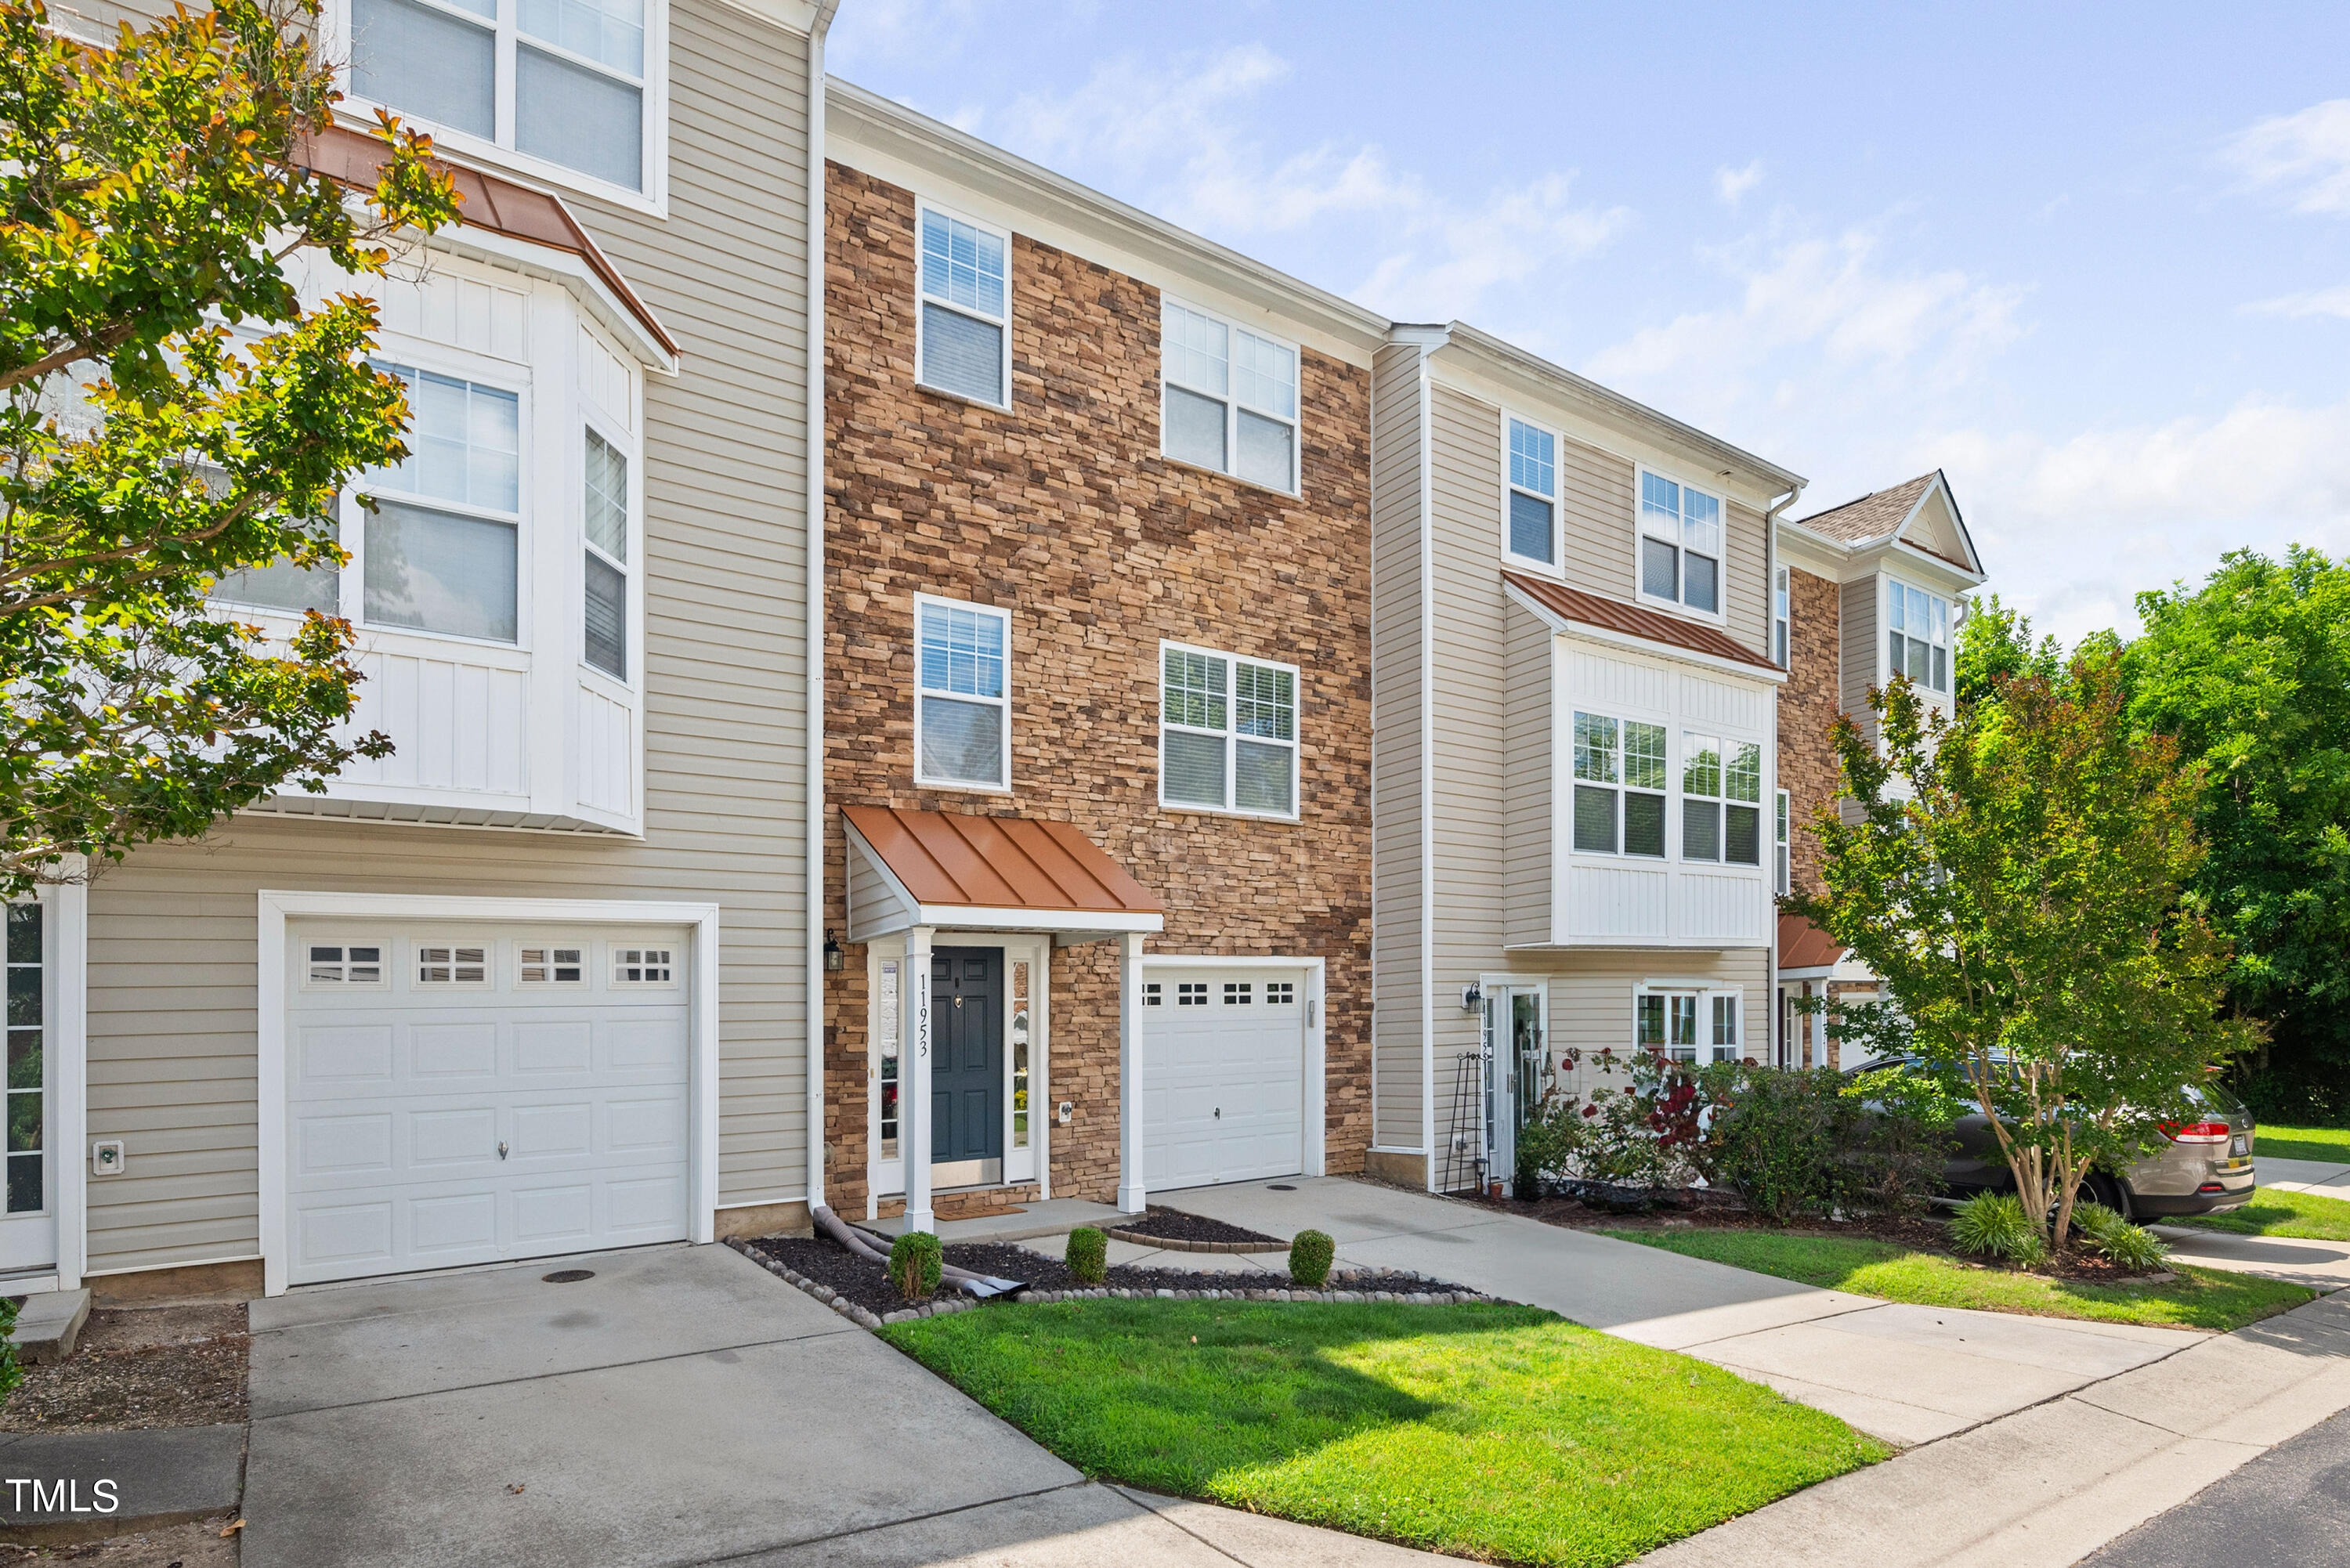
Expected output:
{"points": [[1995, 645], [173, 414], [2019, 878], [2251, 673]]}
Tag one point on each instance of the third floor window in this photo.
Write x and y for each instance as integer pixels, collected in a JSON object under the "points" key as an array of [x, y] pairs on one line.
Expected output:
{"points": [[1680, 545], [1918, 636], [1230, 402], [966, 309]]}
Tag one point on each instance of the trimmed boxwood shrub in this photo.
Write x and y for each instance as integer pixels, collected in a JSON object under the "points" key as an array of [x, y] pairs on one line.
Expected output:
{"points": [[915, 1260], [1309, 1259], [1088, 1254]]}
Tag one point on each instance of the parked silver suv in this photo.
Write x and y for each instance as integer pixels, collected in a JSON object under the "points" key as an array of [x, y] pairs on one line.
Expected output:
{"points": [[2203, 1166]]}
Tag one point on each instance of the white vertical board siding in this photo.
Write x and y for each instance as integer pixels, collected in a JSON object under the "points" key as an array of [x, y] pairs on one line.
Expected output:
{"points": [[1396, 731], [172, 932], [1528, 756]]}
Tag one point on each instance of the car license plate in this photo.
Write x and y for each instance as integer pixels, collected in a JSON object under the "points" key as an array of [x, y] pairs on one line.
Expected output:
{"points": [[2238, 1147]]}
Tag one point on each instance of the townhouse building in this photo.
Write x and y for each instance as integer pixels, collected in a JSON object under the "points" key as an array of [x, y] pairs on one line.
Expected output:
{"points": [[1861, 592]]}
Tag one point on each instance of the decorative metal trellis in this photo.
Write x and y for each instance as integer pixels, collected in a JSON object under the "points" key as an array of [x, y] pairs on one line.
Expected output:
{"points": [[1463, 1169]]}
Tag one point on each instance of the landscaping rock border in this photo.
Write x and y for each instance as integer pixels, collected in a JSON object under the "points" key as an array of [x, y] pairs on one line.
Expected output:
{"points": [[1172, 1244], [947, 1308]]}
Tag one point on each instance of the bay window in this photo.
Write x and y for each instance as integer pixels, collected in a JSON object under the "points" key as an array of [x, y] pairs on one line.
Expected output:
{"points": [[1918, 636], [965, 326], [1228, 398], [1534, 493], [1228, 733], [605, 608], [963, 709], [440, 550], [1722, 796], [1619, 782], [1680, 544], [563, 81]]}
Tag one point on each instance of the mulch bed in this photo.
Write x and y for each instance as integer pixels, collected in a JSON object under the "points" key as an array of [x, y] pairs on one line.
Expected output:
{"points": [[138, 1367], [865, 1283], [1174, 1225]]}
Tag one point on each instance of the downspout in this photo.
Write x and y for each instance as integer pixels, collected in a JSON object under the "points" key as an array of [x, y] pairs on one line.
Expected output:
{"points": [[1427, 775], [813, 878], [1770, 629]]}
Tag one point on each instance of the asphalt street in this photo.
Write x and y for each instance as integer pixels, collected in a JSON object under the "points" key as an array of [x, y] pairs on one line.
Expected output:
{"points": [[2288, 1508]]}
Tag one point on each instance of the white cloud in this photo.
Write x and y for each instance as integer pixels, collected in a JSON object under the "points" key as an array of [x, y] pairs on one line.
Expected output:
{"points": [[2305, 155], [2311, 302], [1731, 184]]}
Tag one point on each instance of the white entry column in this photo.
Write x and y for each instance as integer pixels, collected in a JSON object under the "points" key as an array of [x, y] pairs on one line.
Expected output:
{"points": [[1132, 1192], [914, 1065]]}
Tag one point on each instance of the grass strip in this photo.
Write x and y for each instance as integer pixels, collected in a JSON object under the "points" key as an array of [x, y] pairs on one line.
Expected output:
{"points": [[2276, 1212], [2327, 1145]]}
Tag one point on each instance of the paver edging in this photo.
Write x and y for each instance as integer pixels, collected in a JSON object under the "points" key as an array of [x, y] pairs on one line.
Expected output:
{"points": [[870, 1320]]}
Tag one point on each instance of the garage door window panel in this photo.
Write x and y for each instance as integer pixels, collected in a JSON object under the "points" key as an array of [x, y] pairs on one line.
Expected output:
{"points": [[633, 966], [547, 964], [447, 964], [345, 966]]}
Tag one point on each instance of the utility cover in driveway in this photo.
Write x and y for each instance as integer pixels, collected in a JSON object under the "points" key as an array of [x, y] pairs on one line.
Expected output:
{"points": [[462, 1094], [1223, 1075]]}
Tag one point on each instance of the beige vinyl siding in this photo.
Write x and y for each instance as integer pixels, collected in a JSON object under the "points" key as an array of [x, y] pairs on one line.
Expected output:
{"points": [[1862, 658], [1591, 996], [1528, 758], [1396, 729], [172, 1004], [1597, 489], [1746, 595]]}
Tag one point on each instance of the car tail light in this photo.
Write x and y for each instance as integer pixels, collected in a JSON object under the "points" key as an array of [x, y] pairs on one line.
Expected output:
{"points": [[2196, 1132]]}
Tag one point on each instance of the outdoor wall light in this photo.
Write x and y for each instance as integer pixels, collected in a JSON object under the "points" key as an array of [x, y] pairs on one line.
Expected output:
{"points": [[1472, 997], [835, 960]]}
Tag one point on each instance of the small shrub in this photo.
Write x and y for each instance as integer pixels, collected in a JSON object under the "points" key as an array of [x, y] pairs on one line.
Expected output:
{"points": [[1088, 1255], [1776, 1144], [2119, 1241], [1993, 1225], [11, 1374], [915, 1260], [1309, 1259]]}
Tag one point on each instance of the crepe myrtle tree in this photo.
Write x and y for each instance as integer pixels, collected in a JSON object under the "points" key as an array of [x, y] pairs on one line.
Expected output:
{"points": [[170, 413], [2018, 878]]}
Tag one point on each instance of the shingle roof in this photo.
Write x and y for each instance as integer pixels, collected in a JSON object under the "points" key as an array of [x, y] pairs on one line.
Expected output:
{"points": [[1871, 516], [1573, 604]]}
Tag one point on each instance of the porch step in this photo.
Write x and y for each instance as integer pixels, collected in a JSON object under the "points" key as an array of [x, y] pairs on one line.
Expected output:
{"points": [[47, 1324], [1054, 1216]]}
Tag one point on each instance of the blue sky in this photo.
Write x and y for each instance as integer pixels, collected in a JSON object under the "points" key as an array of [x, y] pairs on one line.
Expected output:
{"points": [[2093, 259]]}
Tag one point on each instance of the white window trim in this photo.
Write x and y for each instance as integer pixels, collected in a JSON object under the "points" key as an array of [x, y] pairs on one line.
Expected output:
{"points": [[1888, 584], [1717, 616], [1782, 845], [384, 966], [612, 963], [921, 778], [1671, 792], [701, 958], [1231, 401], [413, 953], [1554, 566], [924, 204], [1706, 992], [632, 614], [549, 945], [1725, 739], [1297, 744], [1783, 615], [360, 113]]}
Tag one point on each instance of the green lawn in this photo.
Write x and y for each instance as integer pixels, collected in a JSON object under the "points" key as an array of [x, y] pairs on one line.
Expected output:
{"points": [[2200, 1298], [1485, 1431], [2329, 1145], [2273, 1212]]}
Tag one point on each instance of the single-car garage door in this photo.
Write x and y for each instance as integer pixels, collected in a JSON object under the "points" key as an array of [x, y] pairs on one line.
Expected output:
{"points": [[1223, 1075], [461, 1094]]}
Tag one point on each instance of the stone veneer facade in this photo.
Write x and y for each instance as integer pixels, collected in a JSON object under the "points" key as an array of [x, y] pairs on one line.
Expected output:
{"points": [[1807, 710], [1064, 511]]}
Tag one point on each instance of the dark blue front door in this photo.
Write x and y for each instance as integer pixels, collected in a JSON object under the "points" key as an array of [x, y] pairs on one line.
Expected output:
{"points": [[967, 1070]]}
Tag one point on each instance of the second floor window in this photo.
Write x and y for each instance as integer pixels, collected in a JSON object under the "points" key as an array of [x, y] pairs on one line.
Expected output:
{"points": [[1619, 785], [606, 605], [440, 548], [1780, 868], [962, 715], [1918, 636], [1533, 493], [562, 81], [1229, 398], [1228, 733], [1721, 800], [1680, 544], [966, 309]]}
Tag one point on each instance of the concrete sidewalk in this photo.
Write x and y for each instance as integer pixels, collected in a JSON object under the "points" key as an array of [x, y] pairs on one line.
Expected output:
{"points": [[1906, 1374]]}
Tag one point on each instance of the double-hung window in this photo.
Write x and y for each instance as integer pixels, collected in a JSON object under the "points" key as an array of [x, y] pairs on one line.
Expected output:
{"points": [[564, 81], [1680, 544], [1721, 800], [1695, 1024], [1534, 493], [1781, 869], [606, 581], [1782, 618], [966, 309], [1228, 733], [1619, 785], [963, 713], [1918, 635], [1229, 398], [441, 544]]}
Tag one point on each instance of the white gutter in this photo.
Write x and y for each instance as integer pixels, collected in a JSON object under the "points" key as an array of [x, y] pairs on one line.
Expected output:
{"points": [[813, 876]]}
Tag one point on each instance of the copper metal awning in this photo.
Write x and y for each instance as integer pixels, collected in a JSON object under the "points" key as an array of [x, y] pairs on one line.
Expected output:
{"points": [[1803, 947], [1608, 615], [910, 868]]}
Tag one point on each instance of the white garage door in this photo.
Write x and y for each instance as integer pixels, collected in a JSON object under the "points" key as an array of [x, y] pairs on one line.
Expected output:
{"points": [[1223, 1075], [463, 1093]]}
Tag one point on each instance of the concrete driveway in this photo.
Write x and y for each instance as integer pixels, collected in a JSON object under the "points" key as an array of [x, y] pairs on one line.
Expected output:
{"points": [[682, 1407], [1905, 1374]]}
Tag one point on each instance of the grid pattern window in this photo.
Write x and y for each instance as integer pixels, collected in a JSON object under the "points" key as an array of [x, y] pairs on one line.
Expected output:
{"points": [[1782, 864], [1153, 995], [1238, 993], [1020, 1054], [1534, 493], [28, 1096], [441, 541], [1228, 399], [1619, 785], [966, 309], [560, 80], [1191, 993], [884, 1014], [1228, 733], [281, 584], [643, 966], [1721, 800], [605, 608], [1725, 1038], [1280, 993], [963, 709], [1680, 544], [550, 966], [1693, 1024], [452, 965], [1918, 635], [1781, 617], [336, 964]]}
